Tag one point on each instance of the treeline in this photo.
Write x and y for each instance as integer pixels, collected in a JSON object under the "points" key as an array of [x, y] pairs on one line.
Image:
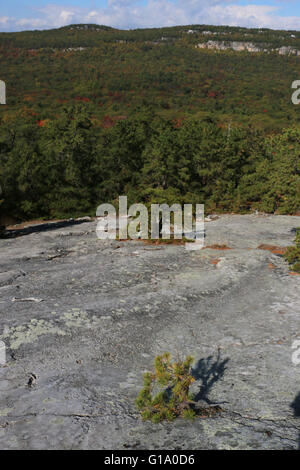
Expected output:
{"points": [[92, 35], [69, 165]]}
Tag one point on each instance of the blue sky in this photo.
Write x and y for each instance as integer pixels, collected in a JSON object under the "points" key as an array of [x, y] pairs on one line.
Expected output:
{"points": [[18, 15]]}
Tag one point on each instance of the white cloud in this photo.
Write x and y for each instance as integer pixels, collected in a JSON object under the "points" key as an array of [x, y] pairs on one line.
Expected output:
{"points": [[252, 16], [4, 20], [156, 13]]}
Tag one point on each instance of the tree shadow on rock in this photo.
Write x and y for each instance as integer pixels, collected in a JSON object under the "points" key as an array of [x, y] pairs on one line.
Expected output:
{"points": [[296, 408], [41, 227], [209, 370]]}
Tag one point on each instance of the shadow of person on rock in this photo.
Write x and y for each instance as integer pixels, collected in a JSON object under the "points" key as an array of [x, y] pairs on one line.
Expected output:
{"points": [[209, 370], [296, 408]]}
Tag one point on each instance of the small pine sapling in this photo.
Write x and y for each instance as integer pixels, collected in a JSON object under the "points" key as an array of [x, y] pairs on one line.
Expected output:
{"points": [[293, 254], [165, 393]]}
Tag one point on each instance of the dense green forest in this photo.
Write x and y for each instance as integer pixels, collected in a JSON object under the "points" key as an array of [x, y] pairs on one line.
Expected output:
{"points": [[93, 113], [115, 77]]}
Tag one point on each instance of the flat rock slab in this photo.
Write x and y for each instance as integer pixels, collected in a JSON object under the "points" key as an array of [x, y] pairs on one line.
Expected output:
{"points": [[95, 313]]}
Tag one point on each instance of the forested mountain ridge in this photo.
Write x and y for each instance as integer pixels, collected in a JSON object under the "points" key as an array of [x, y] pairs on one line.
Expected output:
{"points": [[117, 72], [93, 112], [92, 35]]}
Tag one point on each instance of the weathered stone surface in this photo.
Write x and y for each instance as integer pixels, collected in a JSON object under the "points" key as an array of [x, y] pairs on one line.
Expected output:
{"points": [[75, 360]]}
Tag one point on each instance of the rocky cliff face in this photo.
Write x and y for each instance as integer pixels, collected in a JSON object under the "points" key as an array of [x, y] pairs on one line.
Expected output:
{"points": [[239, 46]]}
